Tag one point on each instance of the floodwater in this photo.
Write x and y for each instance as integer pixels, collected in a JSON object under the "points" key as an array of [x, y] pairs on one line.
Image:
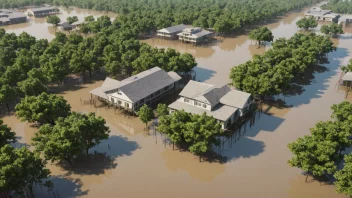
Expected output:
{"points": [[39, 28], [141, 165]]}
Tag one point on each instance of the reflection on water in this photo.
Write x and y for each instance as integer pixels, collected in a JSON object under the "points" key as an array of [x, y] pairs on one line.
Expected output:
{"points": [[141, 166], [42, 30]]}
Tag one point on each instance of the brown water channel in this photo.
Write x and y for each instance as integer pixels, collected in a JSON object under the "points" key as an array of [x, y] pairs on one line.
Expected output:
{"points": [[141, 165]]}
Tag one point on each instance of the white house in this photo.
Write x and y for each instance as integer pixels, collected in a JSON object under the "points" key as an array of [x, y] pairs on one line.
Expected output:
{"points": [[144, 88], [322, 15], [171, 32], [194, 35], [221, 102]]}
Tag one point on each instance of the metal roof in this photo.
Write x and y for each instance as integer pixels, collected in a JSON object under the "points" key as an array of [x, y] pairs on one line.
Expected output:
{"points": [[197, 34], [173, 29], [347, 76], [235, 98], [220, 112], [42, 9]]}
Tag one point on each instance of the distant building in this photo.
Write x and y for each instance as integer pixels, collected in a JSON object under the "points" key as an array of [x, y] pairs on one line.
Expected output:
{"points": [[322, 15], [65, 26], [171, 32], [11, 17], [194, 35], [42, 11], [144, 88], [223, 103]]}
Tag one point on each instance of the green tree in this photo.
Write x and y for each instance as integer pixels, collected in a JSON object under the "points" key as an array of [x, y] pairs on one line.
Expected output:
{"points": [[6, 135], [32, 87], [344, 177], [332, 29], [89, 18], [307, 23], [53, 19], [261, 34], [342, 111], [162, 110], [145, 114], [20, 170], [347, 68], [313, 156], [72, 19], [45, 108], [7, 94]]}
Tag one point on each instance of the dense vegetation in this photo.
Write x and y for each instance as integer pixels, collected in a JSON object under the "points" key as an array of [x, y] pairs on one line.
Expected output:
{"points": [[148, 15], [321, 152], [307, 23], [272, 73], [332, 29], [199, 133], [339, 6]]}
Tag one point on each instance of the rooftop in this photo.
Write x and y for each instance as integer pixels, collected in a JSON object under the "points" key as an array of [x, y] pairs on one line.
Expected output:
{"points": [[139, 86], [347, 76], [42, 9], [11, 14], [195, 32], [220, 112], [173, 29]]}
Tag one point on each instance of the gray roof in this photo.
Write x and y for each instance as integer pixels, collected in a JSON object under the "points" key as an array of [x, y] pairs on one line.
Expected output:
{"points": [[195, 32], [173, 29], [42, 9], [347, 76], [66, 25], [108, 84], [15, 15], [174, 75], [235, 98], [220, 112], [141, 85]]}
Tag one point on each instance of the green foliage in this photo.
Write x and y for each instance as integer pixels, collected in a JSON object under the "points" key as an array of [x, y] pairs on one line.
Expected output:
{"points": [[162, 110], [314, 156], [32, 87], [307, 22], [199, 132], [344, 177], [70, 136], [342, 111], [72, 19], [6, 135], [332, 29], [272, 73], [7, 94], [20, 170], [145, 114], [53, 19], [261, 34], [339, 6], [347, 68], [45, 108]]}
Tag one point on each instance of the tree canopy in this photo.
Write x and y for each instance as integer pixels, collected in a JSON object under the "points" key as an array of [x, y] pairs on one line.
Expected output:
{"points": [[199, 132], [45, 108], [6, 134], [307, 22], [261, 34], [162, 110], [339, 6], [332, 29], [344, 177], [145, 114], [72, 19], [53, 19], [20, 170]]}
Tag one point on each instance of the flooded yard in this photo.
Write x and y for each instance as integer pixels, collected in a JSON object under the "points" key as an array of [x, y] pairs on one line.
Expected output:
{"points": [[133, 164]]}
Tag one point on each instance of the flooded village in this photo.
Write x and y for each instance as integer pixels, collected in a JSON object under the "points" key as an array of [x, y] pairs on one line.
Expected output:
{"points": [[134, 163]]}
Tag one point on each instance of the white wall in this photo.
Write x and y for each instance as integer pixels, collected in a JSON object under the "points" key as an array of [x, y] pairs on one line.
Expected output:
{"points": [[192, 102], [123, 98]]}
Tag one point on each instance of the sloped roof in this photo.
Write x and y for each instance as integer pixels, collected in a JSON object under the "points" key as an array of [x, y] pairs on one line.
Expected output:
{"points": [[220, 112], [174, 75], [42, 9], [173, 29], [108, 84], [347, 76], [141, 85], [196, 89], [235, 98]]}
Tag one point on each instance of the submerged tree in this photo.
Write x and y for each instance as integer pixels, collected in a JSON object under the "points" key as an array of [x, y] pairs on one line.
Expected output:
{"points": [[72, 19], [261, 34], [162, 110], [20, 170], [344, 177], [306, 23], [6, 135], [45, 108], [145, 114], [342, 111], [332, 29], [53, 19]]}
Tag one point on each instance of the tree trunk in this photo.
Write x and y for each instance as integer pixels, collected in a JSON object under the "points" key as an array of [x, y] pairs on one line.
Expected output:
{"points": [[307, 176], [173, 145], [200, 158], [8, 107]]}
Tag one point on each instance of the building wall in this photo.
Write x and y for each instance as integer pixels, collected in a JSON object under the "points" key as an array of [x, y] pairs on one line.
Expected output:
{"points": [[121, 99], [195, 103]]}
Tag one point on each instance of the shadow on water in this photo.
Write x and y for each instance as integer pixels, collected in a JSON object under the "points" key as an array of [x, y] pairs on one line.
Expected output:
{"points": [[63, 187], [102, 157], [203, 74], [244, 148]]}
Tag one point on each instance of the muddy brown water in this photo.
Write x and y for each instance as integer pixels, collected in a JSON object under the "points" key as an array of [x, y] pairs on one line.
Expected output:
{"points": [[134, 164]]}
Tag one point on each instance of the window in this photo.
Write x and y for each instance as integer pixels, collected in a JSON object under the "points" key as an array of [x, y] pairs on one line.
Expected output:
{"points": [[204, 105], [186, 100], [127, 105], [112, 100], [119, 102], [119, 93]]}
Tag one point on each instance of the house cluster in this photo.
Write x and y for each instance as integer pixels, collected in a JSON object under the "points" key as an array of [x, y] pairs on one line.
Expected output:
{"points": [[42, 11], [223, 103], [322, 15], [185, 33], [8, 17]]}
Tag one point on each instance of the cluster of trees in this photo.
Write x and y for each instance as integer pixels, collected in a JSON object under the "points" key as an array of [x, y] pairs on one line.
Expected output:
{"points": [[144, 16], [272, 73], [63, 134], [261, 34], [27, 65], [321, 152], [332, 29], [307, 22], [339, 6], [198, 133], [20, 168]]}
